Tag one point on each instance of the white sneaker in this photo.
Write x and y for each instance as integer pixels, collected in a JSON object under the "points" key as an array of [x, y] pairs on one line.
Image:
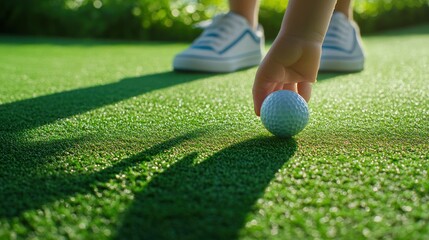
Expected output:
{"points": [[342, 48], [228, 44]]}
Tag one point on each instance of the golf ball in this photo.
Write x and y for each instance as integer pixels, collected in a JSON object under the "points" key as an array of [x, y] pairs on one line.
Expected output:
{"points": [[284, 113]]}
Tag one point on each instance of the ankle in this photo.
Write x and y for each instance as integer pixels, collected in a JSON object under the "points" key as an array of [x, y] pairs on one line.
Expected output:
{"points": [[251, 19], [348, 13]]}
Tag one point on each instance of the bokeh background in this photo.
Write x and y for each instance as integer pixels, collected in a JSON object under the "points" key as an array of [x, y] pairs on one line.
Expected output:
{"points": [[173, 20]]}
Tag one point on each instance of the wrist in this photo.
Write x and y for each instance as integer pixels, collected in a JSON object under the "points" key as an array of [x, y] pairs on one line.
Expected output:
{"points": [[301, 39], [310, 34], [307, 19]]}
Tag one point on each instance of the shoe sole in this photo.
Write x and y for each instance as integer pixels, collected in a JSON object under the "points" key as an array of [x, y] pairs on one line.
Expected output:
{"points": [[341, 65], [198, 64]]}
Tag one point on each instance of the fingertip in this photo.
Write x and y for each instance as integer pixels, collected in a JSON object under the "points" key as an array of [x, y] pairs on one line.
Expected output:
{"points": [[258, 112], [257, 106], [304, 89], [259, 95]]}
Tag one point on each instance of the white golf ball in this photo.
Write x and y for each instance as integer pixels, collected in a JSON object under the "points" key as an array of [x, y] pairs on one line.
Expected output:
{"points": [[284, 113]]}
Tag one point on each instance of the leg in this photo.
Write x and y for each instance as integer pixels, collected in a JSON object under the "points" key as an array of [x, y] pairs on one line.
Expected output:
{"points": [[249, 9], [345, 7], [342, 49]]}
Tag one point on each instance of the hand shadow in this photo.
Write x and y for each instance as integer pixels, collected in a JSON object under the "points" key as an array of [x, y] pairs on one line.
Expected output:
{"points": [[209, 200]]}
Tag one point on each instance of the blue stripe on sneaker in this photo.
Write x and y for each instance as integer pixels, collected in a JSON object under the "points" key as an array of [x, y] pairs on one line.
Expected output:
{"points": [[254, 38], [203, 47], [328, 42], [333, 35], [212, 35], [335, 47], [203, 42], [232, 44]]}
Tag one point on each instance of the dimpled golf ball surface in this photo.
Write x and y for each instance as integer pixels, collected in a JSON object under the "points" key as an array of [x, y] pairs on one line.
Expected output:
{"points": [[284, 113]]}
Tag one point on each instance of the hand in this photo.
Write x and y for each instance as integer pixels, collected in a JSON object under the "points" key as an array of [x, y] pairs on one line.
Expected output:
{"points": [[291, 64]]}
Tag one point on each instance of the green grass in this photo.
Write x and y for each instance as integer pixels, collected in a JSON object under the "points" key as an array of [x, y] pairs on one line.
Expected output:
{"points": [[101, 140]]}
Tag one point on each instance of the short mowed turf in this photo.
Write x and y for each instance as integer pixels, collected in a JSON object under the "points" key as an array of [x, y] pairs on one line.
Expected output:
{"points": [[102, 140]]}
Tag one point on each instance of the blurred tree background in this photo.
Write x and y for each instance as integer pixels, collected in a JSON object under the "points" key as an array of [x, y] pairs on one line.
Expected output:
{"points": [[173, 19]]}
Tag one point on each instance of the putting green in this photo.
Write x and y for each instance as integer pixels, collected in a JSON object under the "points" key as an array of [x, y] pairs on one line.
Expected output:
{"points": [[102, 140]]}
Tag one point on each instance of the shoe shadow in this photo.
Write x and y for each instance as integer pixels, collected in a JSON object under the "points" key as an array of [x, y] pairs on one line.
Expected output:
{"points": [[209, 200], [327, 75]]}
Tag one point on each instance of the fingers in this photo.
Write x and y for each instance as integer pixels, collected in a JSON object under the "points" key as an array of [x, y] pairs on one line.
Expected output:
{"points": [[304, 89], [290, 87], [260, 92]]}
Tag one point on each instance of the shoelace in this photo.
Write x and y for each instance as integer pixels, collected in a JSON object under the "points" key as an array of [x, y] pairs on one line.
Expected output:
{"points": [[337, 31], [216, 31]]}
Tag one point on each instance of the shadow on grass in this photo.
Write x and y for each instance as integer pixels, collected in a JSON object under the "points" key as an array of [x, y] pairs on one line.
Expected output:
{"points": [[220, 191], [209, 200], [20, 189], [35, 112], [322, 76], [20, 192]]}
